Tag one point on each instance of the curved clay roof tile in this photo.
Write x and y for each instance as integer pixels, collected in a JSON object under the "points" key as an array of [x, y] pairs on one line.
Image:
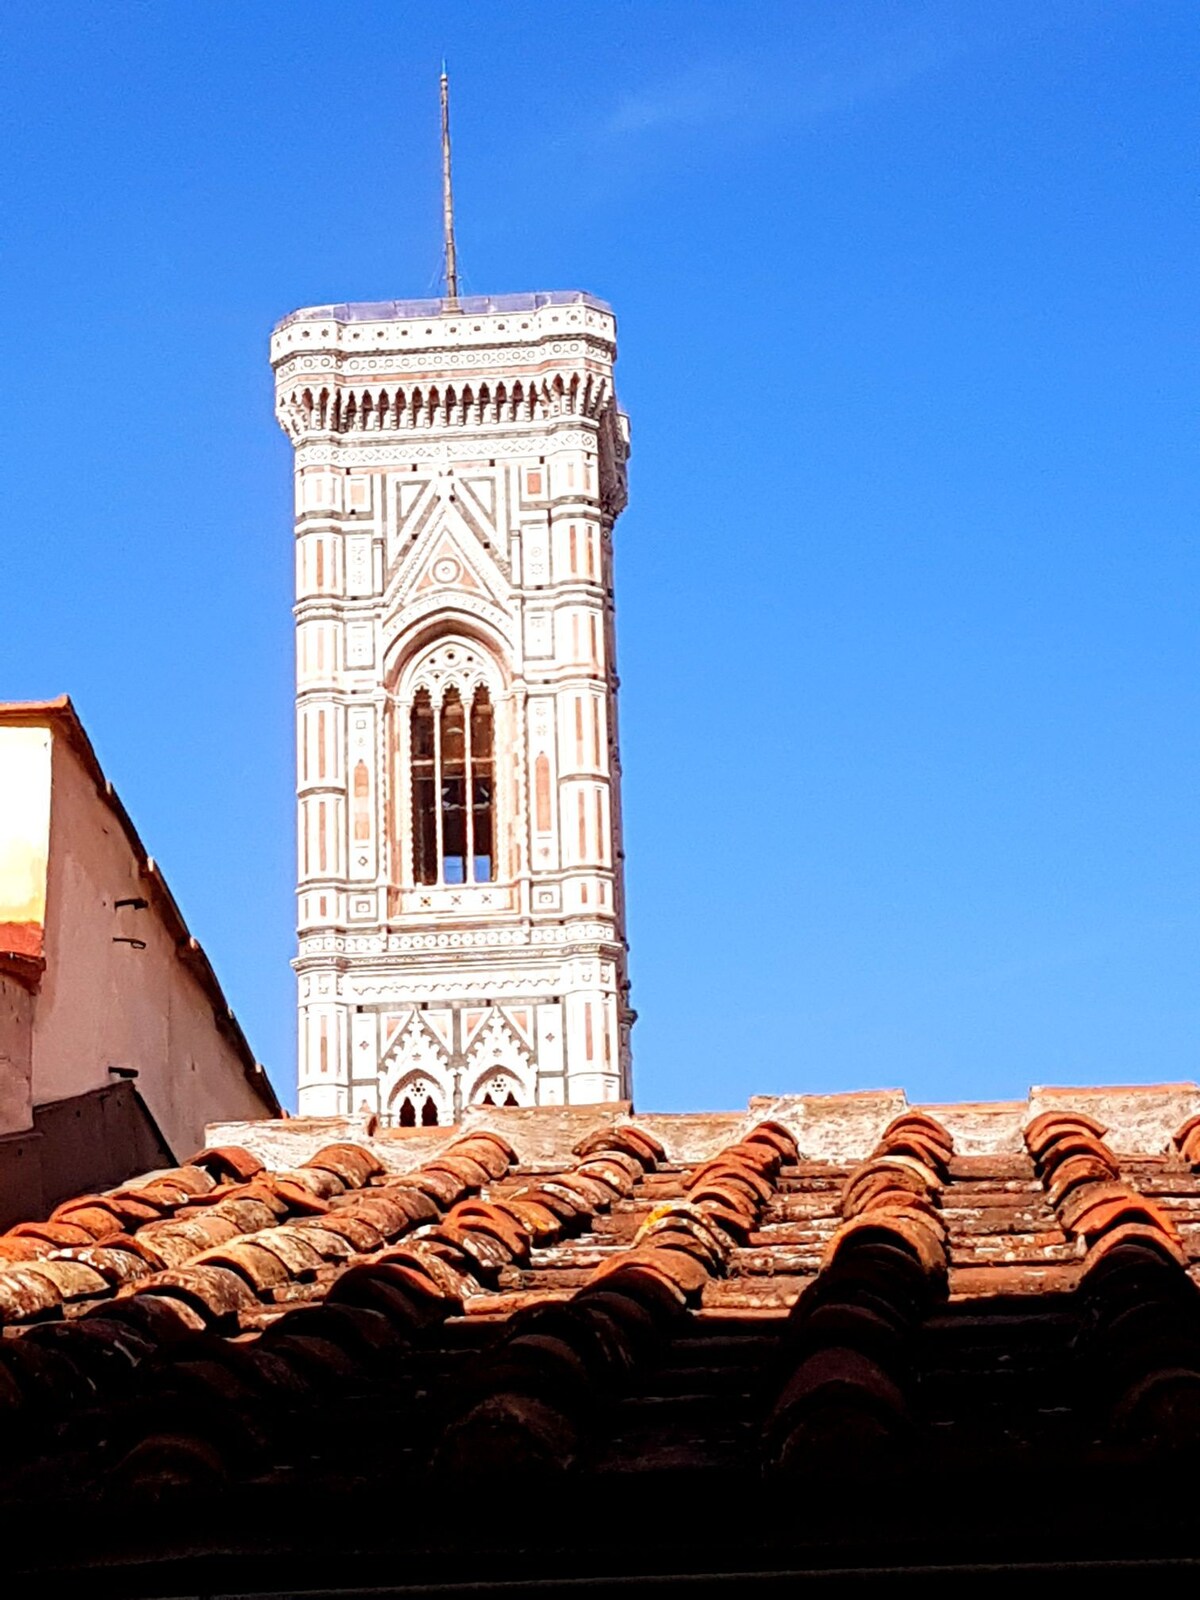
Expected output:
{"points": [[329, 1246], [141, 1248], [161, 1318], [921, 1124], [58, 1235], [91, 1213], [491, 1137], [353, 1157], [134, 1211], [623, 1136], [689, 1244], [567, 1207], [214, 1293], [299, 1257], [611, 1172], [676, 1275], [1051, 1125], [429, 1262], [646, 1284], [262, 1269], [469, 1172], [909, 1232], [1095, 1208], [544, 1223], [74, 1280], [1187, 1139], [14, 1248], [317, 1183], [1130, 1244], [490, 1154], [117, 1266], [442, 1186], [226, 1161], [592, 1193], [1075, 1170], [760, 1155], [406, 1294], [727, 1169], [366, 1332], [838, 1406], [496, 1219], [198, 1232], [722, 1196], [508, 1433], [776, 1134], [389, 1213], [488, 1254], [246, 1214]]}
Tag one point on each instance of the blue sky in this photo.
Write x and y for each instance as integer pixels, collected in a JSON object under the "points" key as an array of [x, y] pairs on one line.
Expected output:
{"points": [[908, 582]]}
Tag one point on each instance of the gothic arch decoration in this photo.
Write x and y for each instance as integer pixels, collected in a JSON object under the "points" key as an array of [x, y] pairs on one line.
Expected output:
{"points": [[498, 1066], [415, 1069], [447, 807], [484, 651], [496, 1089], [443, 545], [417, 1101], [451, 660]]}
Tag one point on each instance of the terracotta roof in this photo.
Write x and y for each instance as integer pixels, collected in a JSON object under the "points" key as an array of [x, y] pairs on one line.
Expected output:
{"points": [[814, 1291]]}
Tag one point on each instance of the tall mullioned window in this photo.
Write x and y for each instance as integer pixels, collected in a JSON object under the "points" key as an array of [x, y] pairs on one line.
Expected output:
{"points": [[452, 758]]}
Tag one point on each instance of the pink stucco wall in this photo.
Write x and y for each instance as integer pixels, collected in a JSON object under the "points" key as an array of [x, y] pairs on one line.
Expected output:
{"points": [[105, 1002]]}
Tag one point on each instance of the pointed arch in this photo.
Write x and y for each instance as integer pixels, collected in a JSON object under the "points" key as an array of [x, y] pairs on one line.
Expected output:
{"points": [[418, 1100]]}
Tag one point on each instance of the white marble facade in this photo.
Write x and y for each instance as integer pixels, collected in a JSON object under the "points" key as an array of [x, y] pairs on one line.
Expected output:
{"points": [[459, 467]]}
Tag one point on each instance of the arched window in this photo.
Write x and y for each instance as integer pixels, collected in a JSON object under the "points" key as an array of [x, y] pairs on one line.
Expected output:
{"points": [[417, 1105], [496, 1089], [452, 758]]}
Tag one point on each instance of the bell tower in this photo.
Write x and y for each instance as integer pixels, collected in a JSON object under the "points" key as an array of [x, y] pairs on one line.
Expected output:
{"points": [[459, 466]]}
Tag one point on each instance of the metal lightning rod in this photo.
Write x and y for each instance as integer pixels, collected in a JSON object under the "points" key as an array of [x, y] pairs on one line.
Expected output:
{"points": [[448, 196]]}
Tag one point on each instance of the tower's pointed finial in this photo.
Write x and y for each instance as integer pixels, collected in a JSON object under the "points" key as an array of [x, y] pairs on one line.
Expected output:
{"points": [[451, 262]]}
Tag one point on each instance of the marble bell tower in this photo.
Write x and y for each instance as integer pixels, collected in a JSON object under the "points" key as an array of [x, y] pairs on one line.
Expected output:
{"points": [[459, 467]]}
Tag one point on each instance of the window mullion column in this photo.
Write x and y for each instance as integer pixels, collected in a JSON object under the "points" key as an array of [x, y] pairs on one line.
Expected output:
{"points": [[468, 792], [437, 784], [402, 840]]}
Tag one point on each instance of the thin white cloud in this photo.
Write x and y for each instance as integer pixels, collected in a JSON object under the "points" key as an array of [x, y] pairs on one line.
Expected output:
{"points": [[821, 81]]}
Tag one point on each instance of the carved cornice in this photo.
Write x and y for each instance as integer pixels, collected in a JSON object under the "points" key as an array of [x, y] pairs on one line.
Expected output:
{"points": [[378, 450], [553, 935], [390, 366]]}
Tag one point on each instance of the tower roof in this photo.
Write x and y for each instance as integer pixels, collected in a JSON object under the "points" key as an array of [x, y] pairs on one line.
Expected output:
{"points": [[464, 305]]}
